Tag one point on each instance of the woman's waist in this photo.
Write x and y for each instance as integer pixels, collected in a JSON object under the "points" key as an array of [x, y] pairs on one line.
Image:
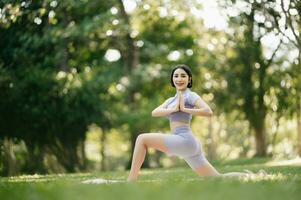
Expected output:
{"points": [[180, 127], [179, 116]]}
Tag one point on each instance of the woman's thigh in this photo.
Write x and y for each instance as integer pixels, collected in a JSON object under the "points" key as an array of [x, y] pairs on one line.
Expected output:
{"points": [[154, 140]]}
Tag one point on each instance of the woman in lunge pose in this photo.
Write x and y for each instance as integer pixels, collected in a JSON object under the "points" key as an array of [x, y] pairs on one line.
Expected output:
{"points": [[181, 142]]}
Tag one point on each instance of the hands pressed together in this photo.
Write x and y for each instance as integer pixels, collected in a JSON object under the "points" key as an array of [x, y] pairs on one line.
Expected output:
{"points": [[180, 106], [200, 108]]}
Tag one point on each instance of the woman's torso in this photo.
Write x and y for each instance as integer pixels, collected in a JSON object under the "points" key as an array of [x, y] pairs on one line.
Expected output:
{"points": [[180, 118], [174, 124]]}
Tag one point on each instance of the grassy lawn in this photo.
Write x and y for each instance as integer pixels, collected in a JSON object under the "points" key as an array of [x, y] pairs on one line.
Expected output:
{"points": [[284, 182]]}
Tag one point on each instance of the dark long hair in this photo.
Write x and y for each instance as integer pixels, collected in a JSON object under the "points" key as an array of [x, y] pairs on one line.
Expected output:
{"points": [[186, 69]]}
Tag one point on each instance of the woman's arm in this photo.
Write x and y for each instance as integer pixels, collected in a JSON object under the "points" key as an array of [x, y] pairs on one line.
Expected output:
{"points": [[161, 110], [201, 108]]}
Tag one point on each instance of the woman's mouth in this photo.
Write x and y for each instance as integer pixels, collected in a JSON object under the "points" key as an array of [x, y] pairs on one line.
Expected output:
{"points": [[179, 84]]}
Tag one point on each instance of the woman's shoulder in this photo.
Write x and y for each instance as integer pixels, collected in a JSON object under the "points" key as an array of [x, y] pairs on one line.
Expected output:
{"points": [[193, 93], [193, 96], [169, 99]]}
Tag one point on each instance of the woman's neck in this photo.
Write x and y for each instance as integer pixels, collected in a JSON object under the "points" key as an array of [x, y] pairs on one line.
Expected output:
{"points": [[184, 90]]}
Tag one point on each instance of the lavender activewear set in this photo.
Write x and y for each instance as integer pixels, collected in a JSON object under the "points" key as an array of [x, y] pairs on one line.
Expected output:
{"points": [[181, 141]]}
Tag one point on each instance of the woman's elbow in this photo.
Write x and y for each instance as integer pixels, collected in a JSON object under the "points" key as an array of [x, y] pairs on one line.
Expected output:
{"points": [[154, 113], [209, 112]]}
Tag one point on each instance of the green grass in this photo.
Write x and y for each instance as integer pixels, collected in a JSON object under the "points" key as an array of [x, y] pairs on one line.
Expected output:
{"points": [[284, 182]]}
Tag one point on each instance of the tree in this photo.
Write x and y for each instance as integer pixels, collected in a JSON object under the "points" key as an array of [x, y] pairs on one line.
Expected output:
{"points": [[285, 19], [50, 94], [246, 74]]}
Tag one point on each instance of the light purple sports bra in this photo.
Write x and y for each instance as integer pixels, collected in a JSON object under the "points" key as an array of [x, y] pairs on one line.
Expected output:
{"points": [[189, 98]]}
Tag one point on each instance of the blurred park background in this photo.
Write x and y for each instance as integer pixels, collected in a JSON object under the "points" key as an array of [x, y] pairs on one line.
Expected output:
{"points": [[79, 79]]}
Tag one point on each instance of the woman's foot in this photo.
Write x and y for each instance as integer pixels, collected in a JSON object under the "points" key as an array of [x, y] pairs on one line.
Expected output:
{"points": [[261, 172], [129, 179], [249, 172]]}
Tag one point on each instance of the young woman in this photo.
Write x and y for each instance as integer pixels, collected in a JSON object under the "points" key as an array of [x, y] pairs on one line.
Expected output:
{"points": [[181, 142]]}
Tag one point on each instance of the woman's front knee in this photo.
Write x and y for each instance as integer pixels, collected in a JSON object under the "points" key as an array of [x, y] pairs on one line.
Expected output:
{"points": [[141, 138]]}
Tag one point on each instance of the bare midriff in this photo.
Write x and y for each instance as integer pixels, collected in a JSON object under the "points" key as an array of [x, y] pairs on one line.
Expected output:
{"points": [[177, 124]]}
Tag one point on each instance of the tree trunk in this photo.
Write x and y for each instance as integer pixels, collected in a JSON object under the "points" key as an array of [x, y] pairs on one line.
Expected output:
{"points": [[133, 141], [211, 143], [299, 103], [83, 159], [130, 53], [131, 59], [274, 136], [71, 158], [299, 124], [10, 162], [157, 158], [66, 155], [260, 142], [102, 151], [35, 159]]}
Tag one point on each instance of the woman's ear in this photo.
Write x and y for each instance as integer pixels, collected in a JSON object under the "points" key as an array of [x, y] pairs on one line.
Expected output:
{"points": [[189, 82]]}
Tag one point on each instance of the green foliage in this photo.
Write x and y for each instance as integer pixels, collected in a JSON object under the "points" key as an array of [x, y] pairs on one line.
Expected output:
{"points": [[49, 93]]}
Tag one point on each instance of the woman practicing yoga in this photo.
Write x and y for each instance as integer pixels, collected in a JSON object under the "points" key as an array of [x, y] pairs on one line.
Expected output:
{"points": [[181, 142]]}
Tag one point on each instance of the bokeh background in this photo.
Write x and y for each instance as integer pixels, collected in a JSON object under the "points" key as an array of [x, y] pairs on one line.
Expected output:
{"points": [[79, 79]]}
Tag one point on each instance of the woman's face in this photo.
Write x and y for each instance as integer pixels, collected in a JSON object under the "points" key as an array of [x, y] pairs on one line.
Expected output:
{"points": [[180, 79]]}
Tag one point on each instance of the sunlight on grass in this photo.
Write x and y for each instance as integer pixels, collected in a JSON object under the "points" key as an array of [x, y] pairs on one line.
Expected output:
{"points": [[149, 172], [293, 162], [44, 178], [269, 177], [31, 178]]}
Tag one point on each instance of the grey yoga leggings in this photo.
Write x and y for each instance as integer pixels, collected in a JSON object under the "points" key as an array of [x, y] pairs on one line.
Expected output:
{"points": [[182, 143]]}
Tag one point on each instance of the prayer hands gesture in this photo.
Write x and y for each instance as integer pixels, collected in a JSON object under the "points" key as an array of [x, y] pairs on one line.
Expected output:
{"points": [[182, 102], [180, 106]]}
